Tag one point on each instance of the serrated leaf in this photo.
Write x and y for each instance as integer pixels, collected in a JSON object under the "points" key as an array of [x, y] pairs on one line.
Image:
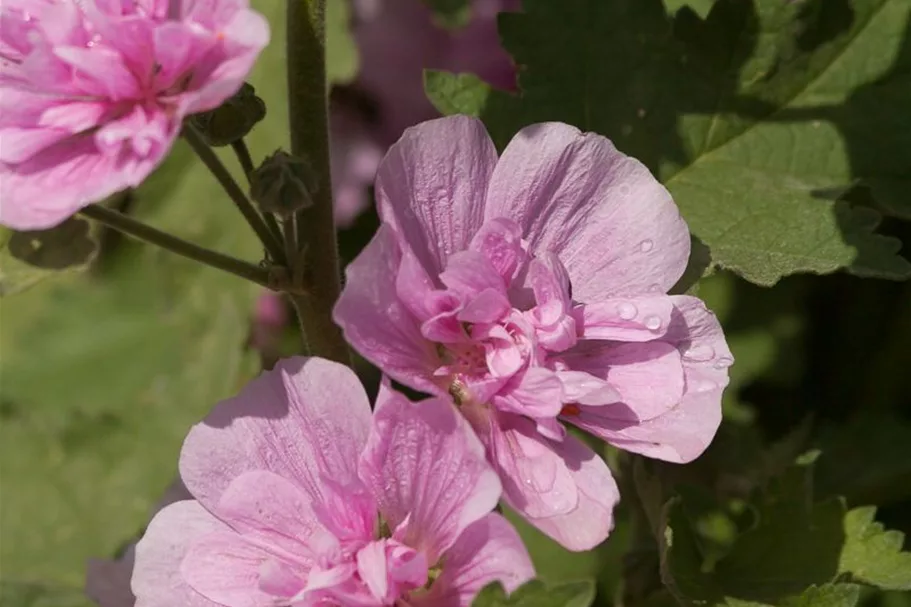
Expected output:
{"points": [[341, 52], [872, 554], [758, 118], [26, 258], [537, 594]]}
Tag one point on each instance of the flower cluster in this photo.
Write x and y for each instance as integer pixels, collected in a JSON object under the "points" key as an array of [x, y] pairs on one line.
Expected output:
{"points": [[94, 92], [523, 292], [532, 288]]}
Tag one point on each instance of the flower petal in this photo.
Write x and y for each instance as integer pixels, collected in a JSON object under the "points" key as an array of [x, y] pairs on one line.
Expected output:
{"points": [[377, 323], [305, 419], [562, 488], [681, 434], [157, 580], [426, 466], [488, 551], [642, 318], [614, 227], [431, 185], [648, 377]]}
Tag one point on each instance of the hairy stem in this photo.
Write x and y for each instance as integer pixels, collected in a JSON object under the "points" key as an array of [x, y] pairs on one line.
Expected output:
{"points": [[308, 99], [122, 223]]}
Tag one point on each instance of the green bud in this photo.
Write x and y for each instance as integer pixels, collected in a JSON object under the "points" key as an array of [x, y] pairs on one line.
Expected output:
{"points": [[233, 119], [283, 184]]}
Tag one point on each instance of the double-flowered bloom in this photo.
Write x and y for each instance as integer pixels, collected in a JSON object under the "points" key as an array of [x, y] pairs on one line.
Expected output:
{"points": [[94, 92], [532, 289], [302, 497]]}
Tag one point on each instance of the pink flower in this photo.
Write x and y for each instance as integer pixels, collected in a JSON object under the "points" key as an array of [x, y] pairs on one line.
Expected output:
{"points": [[532, 288], [93, 92], [301, 499]]}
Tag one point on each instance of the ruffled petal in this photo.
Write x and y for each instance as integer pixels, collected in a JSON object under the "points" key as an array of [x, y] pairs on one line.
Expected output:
{"points": [[614, 227], [157, 580], [488, 551], [428, 472], [431, 185], [377, 323], [306, 419]]}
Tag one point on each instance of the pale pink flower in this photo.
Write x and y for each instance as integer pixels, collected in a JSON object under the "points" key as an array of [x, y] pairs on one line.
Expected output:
{"points": [[93, 92], [532, 288], [301, 498]]}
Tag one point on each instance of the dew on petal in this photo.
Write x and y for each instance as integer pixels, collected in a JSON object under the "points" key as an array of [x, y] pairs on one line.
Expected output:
{"points": [[627, 311], [646, 245], [724, 362], [652, 323], [700, 354], [704, 385]]}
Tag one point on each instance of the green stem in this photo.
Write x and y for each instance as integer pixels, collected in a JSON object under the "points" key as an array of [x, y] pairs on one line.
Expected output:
{"points": [[308, 99], [147, 233], [210, 159]]}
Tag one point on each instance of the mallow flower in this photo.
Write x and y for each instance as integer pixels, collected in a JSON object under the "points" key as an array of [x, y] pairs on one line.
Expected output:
{"points": [[532, 289], [302, 498], [93, 92]]}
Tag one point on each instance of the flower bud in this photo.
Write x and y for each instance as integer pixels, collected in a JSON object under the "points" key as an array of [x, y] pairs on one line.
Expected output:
{"points": [[283, 184], [233, 119]]}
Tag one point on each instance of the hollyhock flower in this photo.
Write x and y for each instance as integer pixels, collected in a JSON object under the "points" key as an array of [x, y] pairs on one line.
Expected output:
{"points": [[301, 498], [396, 41], [532, 289], [93, 92]]}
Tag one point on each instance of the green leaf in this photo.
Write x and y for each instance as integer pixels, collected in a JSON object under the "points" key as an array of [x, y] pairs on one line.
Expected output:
{"points": [[104, 372], [341, 52], [828, 595], [26, 258], [758, 119], [701, 7], [451, 14], [537, 594], [872, 554]]}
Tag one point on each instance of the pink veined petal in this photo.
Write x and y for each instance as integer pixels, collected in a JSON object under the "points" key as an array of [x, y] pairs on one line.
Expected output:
{"points": [[305, 419], [271, 511], [488, 551], [500, 241], [371, 565], [614, 227], [684, 432], [157, 580], [18, 145], [431, 187], [77, 174], [101, 72], [469, 273], [584, 388], [415, 289], [490, 305], [226, 568], [377, 324], [642, 318], [178, 49], [424, 464], [536, 482], [245, 36], [592, 520], [648, 377], [537, 393]]}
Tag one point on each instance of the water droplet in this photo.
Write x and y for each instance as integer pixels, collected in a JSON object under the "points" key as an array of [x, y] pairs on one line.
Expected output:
{"points": [[700, 354], [724, 362], [652, 323], [627, 311], [646, 245], [704, 385], [625, 190], [656, 288]]}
